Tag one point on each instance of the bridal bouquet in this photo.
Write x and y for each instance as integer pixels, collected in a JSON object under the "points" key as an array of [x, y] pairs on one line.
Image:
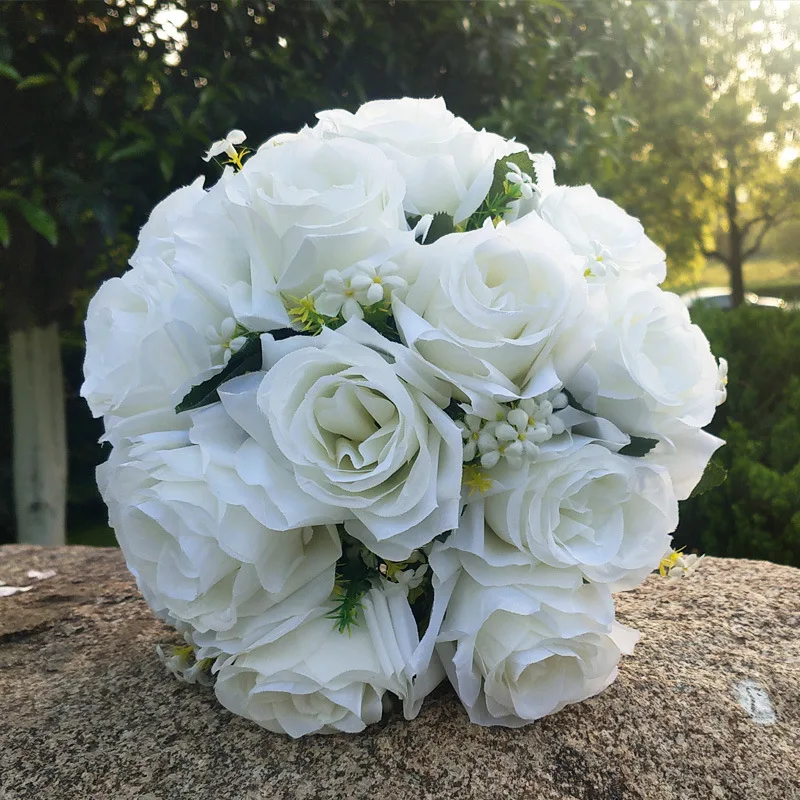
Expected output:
{"points": [[388, 404]]}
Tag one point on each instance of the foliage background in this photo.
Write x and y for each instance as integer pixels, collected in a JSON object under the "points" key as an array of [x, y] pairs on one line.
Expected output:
{"points": [[114, 104]]}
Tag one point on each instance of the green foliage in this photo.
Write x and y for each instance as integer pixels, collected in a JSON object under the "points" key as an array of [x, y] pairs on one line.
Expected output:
{"points": [[501, 193], [379, 316], [441, 225], [714, 475], [501, 169], [5, 231], [703, 164], [356, 573], [39, 219], [755, 513], [246, 359], [639, 446], [358, 570]]}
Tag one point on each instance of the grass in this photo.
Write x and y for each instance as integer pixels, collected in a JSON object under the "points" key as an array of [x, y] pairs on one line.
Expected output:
{"points": [[767, 276]]}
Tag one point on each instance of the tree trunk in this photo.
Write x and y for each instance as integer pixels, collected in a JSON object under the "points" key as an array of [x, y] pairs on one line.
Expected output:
{"points": [[735, 239], [736, 260], [40, 446], [736, 272]]}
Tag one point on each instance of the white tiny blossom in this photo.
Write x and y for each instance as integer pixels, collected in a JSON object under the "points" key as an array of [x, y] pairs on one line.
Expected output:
{"points": [[349, 290], [234, 347], [175, 663], [411, 578], [517, 439], [683, 567], [224, 342], [516, 176], [516, 433], [722, 384], [336, 295], [373, 284], [225, 146], [470, 428], [197, 673], [601, 263], [560, 401], [179, 665]]}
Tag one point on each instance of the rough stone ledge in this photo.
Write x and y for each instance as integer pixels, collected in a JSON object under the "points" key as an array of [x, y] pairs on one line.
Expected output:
{"points": [[88, 712]]}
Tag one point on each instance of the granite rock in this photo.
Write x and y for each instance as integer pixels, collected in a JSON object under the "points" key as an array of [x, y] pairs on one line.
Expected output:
{"points": [[708, 707]]}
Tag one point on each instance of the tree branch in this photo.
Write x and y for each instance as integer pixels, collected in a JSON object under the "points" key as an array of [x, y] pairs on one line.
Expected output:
{"points": [[747, 226], [770, 222], [716, 254]]}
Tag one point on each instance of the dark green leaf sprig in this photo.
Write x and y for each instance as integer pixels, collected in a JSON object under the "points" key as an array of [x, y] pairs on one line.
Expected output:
{"points": [[246, 359], [502, 193], [358, 570], [354, 578]]}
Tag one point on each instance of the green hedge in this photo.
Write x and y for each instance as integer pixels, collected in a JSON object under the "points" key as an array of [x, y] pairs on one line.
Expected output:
{"points": [[756, 512]]}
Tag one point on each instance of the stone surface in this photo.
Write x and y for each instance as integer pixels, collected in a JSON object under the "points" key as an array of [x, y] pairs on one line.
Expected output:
{"points": [[708, 707]]}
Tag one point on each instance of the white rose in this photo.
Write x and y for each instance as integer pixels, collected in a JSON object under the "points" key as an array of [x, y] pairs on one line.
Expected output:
{"points": [[315, 679], [202, 561], [156, 238], [517, 645], [307, 207], [218, 258], [607, 515], [148, 339], [447, 165], [503, 312], [237, 464], [350, 416], [653, 373], [613, 241]]}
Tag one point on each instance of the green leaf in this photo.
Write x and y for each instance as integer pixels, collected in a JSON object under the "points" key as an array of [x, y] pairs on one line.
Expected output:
{"points": [[412, 220], [5, 231], [39, 220], [7, 196], [132, 151], [7, 71], [521, 159], [572, 401], [77, 63], [52, 61], [639, 446], [441, 225], [166, 163], [32, 81], [246, 359], [72, 86], [104, 148], [715, 475]]}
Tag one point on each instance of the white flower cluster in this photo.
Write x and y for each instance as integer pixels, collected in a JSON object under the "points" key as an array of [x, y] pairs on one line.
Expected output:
{"points": [[514, 434], [350, 459]]}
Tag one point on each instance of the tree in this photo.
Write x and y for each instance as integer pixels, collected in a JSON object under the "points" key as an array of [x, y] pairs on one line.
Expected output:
{"points": [[715, 113], [69, 74]]}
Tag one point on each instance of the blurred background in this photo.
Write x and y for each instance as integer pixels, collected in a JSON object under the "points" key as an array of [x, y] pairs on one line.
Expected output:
{"points": [[686, 113]]}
